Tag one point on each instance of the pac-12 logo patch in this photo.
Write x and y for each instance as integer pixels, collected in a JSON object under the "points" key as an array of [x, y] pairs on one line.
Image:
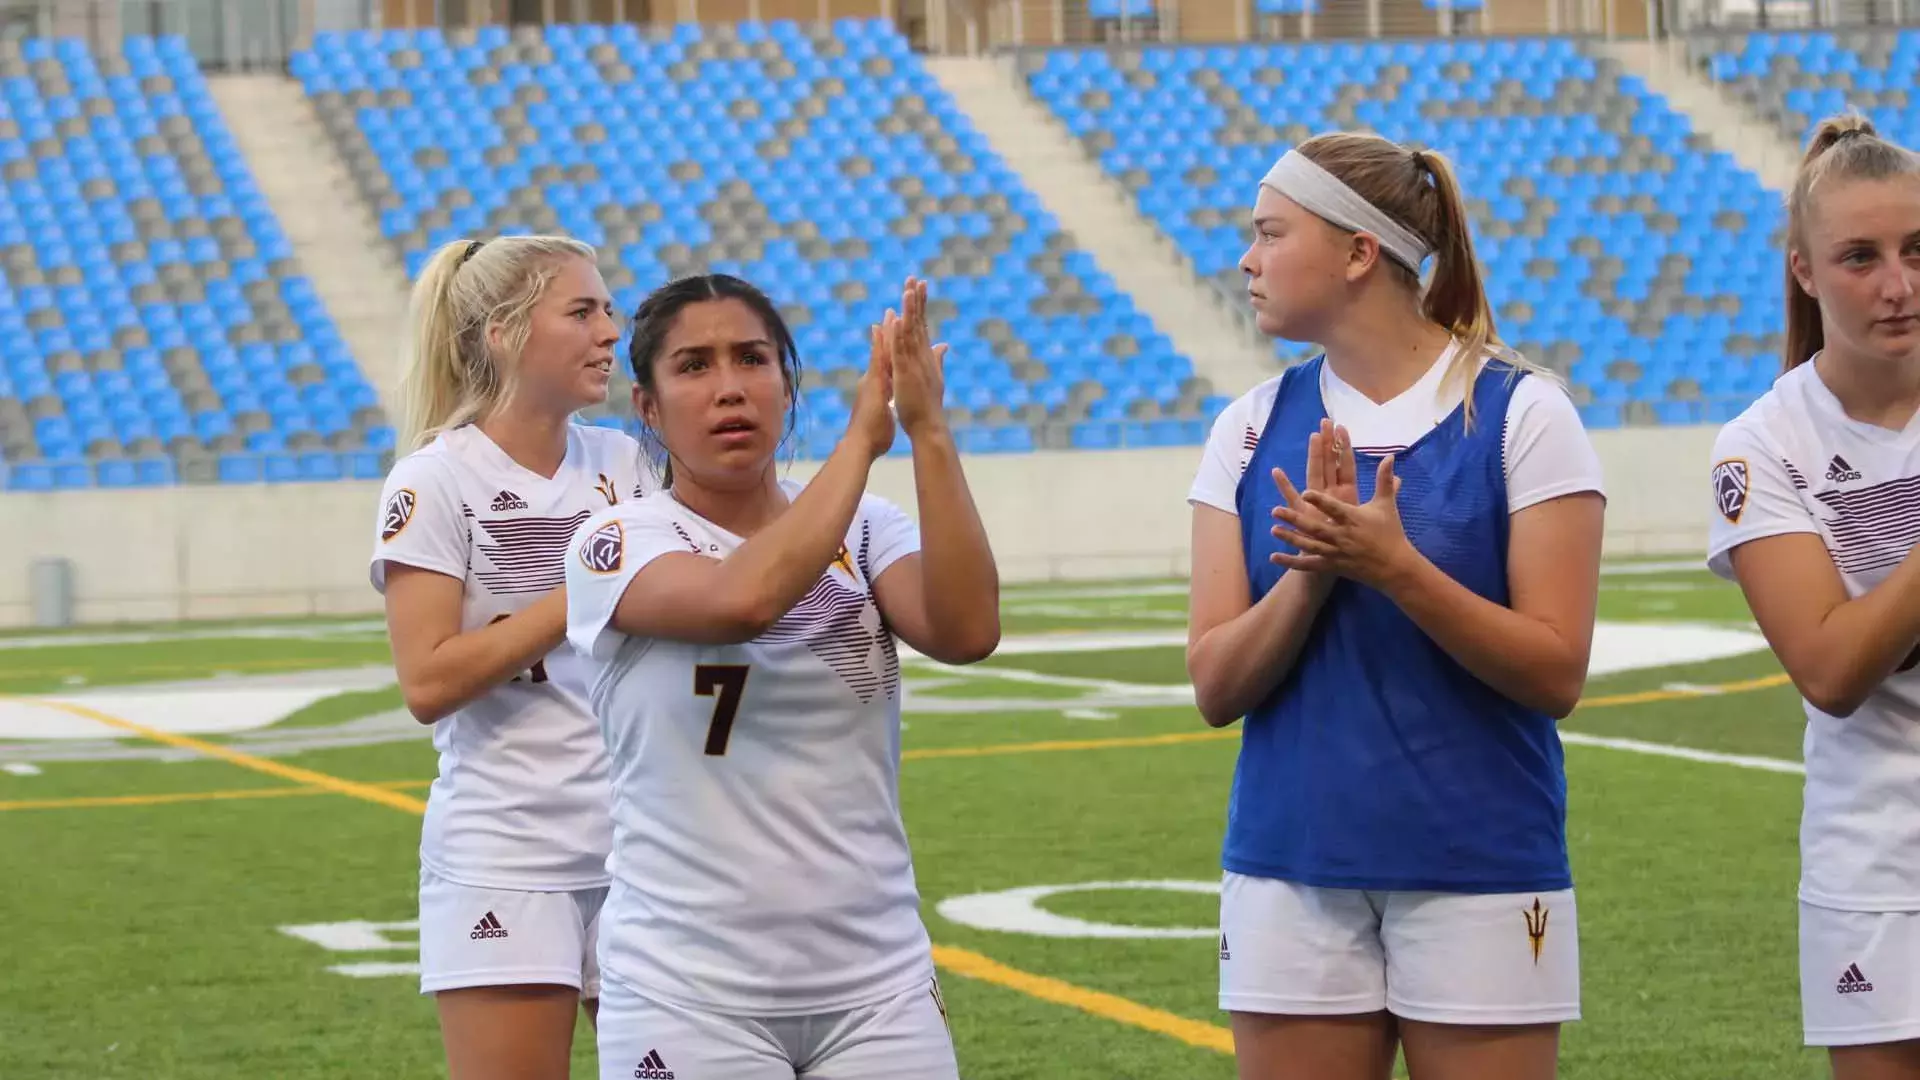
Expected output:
{"points": [[1730, 488], [399, 511], [603, 548]]}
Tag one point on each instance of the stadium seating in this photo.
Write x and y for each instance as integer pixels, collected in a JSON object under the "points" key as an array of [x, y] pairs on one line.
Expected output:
{"points": [[154, 326], [823, 163], [1618, 248], [1795, 78]]}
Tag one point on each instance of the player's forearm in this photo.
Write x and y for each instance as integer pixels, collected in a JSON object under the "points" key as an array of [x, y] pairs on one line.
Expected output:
{"points": [[1861, 642], [961, 584], [1237, 664], [1522, 657], [466, 666], [776, 567]]}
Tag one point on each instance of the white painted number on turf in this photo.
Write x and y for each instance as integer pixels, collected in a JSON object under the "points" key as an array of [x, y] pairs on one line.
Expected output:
{"points": [[360, 936]]}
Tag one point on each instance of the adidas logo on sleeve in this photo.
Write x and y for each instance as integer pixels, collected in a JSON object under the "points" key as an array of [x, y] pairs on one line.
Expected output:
{"points": [[488, 927], [507, 500], [652, 1068]]}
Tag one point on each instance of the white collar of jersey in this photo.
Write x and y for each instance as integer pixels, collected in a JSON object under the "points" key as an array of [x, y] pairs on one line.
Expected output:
{"points": [[1327, 196]]}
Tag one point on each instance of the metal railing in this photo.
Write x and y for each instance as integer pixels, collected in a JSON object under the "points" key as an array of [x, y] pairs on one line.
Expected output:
{"points": [[1053, 23], [224, 35], [1687, 17]]}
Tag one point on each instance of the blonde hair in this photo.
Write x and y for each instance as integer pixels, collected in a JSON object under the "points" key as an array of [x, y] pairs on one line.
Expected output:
{"points": [[1843, 147], [451, 373], [1418, 189]]}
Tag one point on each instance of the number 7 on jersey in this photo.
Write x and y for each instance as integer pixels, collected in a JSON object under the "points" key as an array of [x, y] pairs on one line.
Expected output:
{"points": [[724, 683]]}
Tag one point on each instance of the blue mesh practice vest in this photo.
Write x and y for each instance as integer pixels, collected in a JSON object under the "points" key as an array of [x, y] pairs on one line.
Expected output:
{"points": [[1379, 762]]}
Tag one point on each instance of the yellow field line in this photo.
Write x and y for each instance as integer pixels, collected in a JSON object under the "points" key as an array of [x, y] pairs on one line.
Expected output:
{"points": [[991, 750], [186, 796], [1106, 1006], [962, 962], [1643, 697], [353, 789]]}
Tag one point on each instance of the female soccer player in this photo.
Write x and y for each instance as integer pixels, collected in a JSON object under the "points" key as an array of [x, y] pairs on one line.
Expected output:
{"points": [[763, 922], [1400, 639], [509, 338], [1817, 507]]}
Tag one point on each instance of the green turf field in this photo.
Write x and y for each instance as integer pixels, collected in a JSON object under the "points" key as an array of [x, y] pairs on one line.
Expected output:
{"points": [[171, 916]]}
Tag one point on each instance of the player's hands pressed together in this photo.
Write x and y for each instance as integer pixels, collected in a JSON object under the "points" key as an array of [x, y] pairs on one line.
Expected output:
{"points": [[919, 366], [871, 425], [1330, 468], [1335, 532]]}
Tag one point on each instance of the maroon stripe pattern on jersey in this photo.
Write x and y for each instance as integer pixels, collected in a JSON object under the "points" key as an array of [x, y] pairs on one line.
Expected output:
{"points": [[528, 554]]}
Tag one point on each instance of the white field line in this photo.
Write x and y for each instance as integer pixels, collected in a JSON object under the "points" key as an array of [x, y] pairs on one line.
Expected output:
{"points": [[1685, 753], [1171, 692]]}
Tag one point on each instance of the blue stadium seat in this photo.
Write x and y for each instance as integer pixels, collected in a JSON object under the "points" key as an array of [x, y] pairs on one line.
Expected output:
{"points": [[1796, 77], [129, 367], [1618, 248], [862, 170]]}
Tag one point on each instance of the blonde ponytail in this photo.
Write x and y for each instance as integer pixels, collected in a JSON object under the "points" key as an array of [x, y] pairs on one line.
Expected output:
{"points": [[1843, 147], [453, 370], [1456, 295], [1418, 189]]}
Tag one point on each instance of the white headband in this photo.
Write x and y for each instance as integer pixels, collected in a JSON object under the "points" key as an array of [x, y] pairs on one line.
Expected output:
{"points": [[1325, 195]]}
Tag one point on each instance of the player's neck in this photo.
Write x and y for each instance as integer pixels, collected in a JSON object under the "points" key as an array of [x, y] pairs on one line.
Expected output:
{"points": [[741, 511], [1382, 353], [536, 442], [1871, 389]]}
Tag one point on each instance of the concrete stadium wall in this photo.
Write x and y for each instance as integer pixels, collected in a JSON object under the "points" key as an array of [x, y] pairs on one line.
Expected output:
{"points": [[224, 551]]}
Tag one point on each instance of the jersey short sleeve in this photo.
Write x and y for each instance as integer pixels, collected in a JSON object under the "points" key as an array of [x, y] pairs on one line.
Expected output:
{"points": [[1236, 432], [420, 521], [1753, 495], [1548, 451], [892, 534], [608, 550]]}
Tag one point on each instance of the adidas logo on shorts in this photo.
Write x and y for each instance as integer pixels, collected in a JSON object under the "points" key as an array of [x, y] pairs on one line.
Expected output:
{"points": [[1852, 982], [652, 1068], [507, 500], [488, 927]]}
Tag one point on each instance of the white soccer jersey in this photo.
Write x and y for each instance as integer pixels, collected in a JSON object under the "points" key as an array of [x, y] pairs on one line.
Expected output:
{"points": [[521, 800], [1794, 462], [1547, 450], [760, 864]]}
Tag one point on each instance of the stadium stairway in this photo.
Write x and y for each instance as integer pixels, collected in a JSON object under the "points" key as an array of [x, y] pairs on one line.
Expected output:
{"points": [[1102, 219], [822, 158], [1729, 123], [333, 233], [1791, 79]]}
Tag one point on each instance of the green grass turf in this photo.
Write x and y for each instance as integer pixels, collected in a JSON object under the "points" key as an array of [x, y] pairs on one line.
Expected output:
{"points": [[142, 941], [1685, 872], [1682, 596]]}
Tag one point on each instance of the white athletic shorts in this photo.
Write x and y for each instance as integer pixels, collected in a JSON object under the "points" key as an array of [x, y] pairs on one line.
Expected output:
{"points": [[1859, 976], [905, 1038], [500, 937], [1443, 958]]}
